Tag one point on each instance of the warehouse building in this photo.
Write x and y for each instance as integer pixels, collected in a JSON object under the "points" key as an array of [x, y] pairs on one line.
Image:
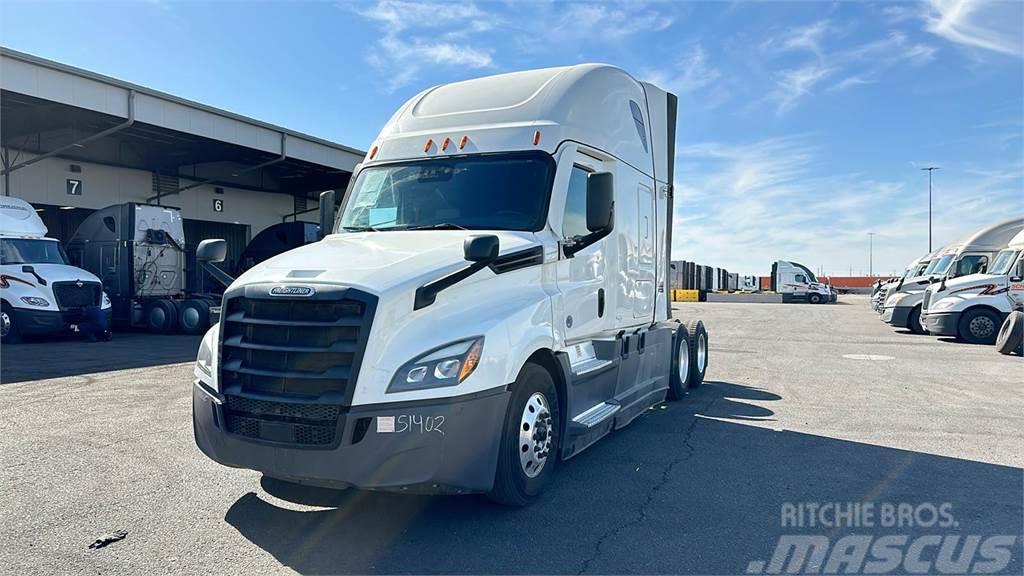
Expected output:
{"points": [[73, 141]]}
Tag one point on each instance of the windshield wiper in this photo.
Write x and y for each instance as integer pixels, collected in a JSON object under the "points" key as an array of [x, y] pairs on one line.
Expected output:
{"points": [[438, 226], [360, 229]]}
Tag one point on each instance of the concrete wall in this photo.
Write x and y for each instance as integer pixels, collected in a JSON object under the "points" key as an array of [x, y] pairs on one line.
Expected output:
{"points": [[45, 182]]}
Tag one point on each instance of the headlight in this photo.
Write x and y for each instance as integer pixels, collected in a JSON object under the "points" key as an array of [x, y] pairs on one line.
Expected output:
{"points": [[943, 304], [205, 358], [106, 300], [34, 301], [445, 366]]}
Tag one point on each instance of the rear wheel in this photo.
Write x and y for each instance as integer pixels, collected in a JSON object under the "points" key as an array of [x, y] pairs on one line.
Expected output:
{"points": [[914, 321], [698, 352], [8, 328], [1011, 335], [194, 317], [979, 326], [161, 316], [680, 376], [529, 443]]}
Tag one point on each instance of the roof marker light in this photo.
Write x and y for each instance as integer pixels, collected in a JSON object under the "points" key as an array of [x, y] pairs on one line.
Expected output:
{"points": [[426, 147], [536, 137], [444, 145], [462, 142], [373, 152]]}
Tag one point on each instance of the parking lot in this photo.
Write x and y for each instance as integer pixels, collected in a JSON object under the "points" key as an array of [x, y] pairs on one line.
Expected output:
{"points": [[802, 404]]}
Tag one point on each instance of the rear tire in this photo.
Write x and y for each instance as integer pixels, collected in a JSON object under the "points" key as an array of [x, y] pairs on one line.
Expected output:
{"points": [[8, 328], [979, 326], [680, 376], [914, 321], [698, 352], [529, 440], [1011, 334], [194, 317], [161, 316]]}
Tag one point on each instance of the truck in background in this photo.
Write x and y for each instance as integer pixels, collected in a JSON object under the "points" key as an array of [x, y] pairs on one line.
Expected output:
{"points": [[796, 283], [444, 340], [40, 293], [882, 288], [974, 306], [969, 255], [138, 252], [274, 240]]}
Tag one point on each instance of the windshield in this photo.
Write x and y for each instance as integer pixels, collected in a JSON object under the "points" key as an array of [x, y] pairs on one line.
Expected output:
{"points": [[493, 192], [938, 266], [1004, 261], [27, 251]]}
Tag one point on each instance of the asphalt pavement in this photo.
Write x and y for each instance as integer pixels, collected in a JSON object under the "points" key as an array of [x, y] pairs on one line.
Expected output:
{"points": [[803, 404]]}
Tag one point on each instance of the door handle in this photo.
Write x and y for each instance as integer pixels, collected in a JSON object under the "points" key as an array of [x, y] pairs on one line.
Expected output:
{"points": [[600, 302]]}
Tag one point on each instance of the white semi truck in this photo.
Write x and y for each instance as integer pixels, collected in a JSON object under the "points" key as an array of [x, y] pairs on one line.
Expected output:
{"points": [[969, 255], [797, 283], [882, 288], [40, 293], [973, 307], [494, 297]]}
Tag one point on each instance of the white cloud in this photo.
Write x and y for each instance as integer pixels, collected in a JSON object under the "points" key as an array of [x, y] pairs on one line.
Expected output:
{"points": [[794, 84], [692, 73], [807, 38], [994, 26], [849, 82], [607, 21]]}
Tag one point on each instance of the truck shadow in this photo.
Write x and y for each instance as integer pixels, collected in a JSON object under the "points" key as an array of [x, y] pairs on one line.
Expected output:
{"points": [[41, 360], [691, 487]]}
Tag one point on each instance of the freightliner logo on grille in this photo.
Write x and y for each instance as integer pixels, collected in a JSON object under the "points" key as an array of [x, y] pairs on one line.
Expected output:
{"points": [[292, 291]]}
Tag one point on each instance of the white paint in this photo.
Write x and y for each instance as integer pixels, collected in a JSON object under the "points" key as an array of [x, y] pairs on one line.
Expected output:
{"points": [[874, 357]]}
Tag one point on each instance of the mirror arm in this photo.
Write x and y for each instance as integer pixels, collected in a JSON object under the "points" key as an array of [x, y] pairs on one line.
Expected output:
{"points": [[426, 294], [218, 274], [570, 250]]}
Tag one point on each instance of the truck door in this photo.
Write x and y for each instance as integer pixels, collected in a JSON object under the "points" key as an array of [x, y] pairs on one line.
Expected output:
{"points": [[1015, 287], [646, 272]]}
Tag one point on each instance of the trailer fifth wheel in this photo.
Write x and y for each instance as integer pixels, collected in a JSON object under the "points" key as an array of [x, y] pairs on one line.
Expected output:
{"points": [[493, 297]]}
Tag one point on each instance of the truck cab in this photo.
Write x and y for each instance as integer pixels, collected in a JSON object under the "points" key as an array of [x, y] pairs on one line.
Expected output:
{"points": [[969, 255], [39, 291], [881, 289], [493, 297], [797, 283], [972, 307]]}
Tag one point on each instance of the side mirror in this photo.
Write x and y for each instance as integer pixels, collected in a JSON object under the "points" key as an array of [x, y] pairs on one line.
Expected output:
{"points": [[327, 210], [28, 269], [212, 250], [481, 248], [600, 202]]}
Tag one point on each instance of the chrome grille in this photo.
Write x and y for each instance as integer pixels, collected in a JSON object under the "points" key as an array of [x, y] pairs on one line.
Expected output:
{"points": [[77, 294]]}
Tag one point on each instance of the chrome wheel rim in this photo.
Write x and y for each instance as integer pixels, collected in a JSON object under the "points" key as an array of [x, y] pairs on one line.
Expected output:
{"points": [[535, 435], [684, 360], [982, 326], [5, 324], [702, 353]]}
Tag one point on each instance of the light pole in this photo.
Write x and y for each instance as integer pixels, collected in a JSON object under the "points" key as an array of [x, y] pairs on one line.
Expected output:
{"points": [[930, 169], [871, 253]]}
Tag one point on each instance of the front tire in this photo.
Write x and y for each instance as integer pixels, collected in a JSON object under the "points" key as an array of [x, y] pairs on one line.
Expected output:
{"points": [[8, 328], [1011, 335], [914, 321], [814, 298], [698, 352], [979, 326], [530, 439]]}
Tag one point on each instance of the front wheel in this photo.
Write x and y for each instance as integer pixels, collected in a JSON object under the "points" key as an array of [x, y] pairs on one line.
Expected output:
{"points": [[914, 321], [530, 439], [979, 326], [8, 328], [814, 298]]}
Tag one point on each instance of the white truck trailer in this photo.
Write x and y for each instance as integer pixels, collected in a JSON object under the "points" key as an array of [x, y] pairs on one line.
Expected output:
{"points": [[40, 293], [973, 307], [969, 255], [796, 283], [494, 297]]}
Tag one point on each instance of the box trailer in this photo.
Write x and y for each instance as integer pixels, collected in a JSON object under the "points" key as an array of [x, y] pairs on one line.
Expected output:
{"points": [[445, 340], [40, 292]]}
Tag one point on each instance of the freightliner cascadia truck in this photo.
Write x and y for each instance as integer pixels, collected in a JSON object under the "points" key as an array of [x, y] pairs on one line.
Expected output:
{"points": [[493, 298]]}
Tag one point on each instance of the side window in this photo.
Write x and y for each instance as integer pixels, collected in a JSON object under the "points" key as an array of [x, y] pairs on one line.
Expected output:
{"points": [[574, 220], [972, 265], [801, 278], [638, 119]]}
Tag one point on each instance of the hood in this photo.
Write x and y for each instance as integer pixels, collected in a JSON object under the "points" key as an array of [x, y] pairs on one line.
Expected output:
{"points": [[971, 281], [52, 273], [377, 261]]}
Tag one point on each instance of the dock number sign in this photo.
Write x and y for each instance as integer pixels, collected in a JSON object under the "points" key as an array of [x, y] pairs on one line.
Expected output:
{"points": [[74, 187], [218, 204]]}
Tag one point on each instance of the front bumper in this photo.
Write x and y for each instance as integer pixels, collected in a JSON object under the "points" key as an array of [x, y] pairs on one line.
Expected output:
{"points": [[31, 322], [897, 316], [941, 323], [444, 446]]}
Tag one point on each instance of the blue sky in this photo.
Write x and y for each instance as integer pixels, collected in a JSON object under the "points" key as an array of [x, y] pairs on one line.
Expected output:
{"points": [[802, 126]]}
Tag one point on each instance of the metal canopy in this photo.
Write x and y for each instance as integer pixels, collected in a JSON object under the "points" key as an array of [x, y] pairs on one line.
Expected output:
{"points": [[39, 126]]}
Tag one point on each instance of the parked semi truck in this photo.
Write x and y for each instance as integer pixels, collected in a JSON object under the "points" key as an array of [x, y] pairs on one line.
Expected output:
{"points": [[40, 293], [494, 297], [882, 289], [797, 283], [138, 252], [973, 307], [969, 255]]}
